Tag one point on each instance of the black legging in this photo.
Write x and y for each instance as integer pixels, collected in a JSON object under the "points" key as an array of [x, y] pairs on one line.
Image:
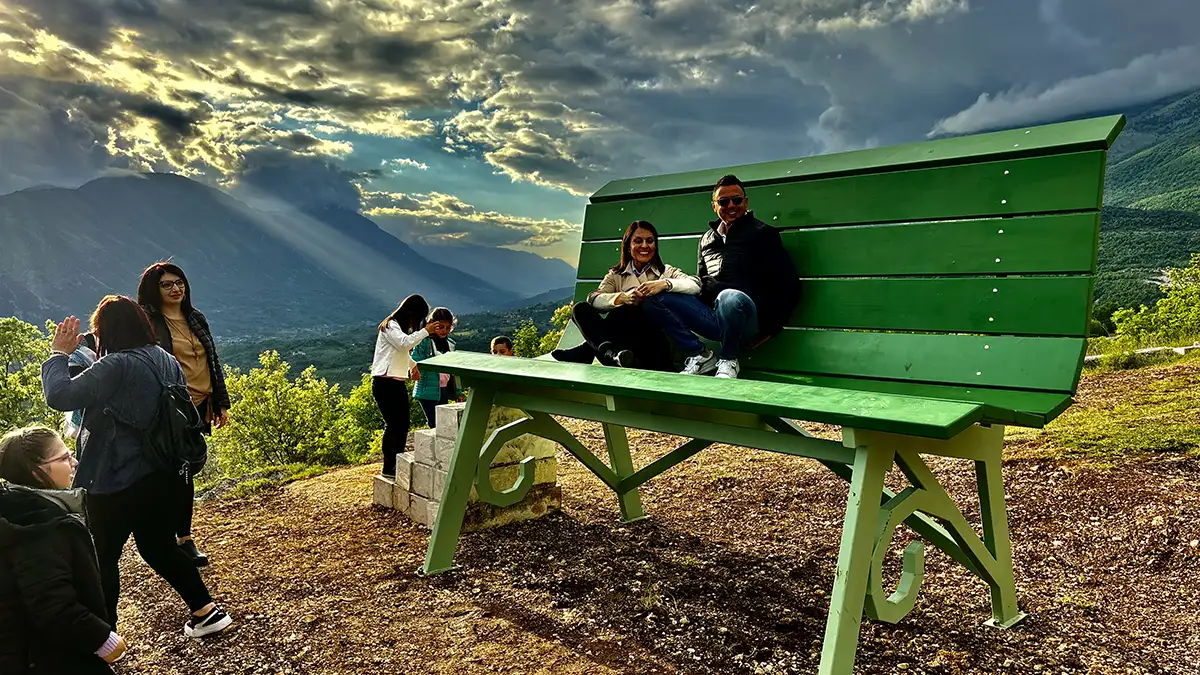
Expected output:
{"points": [[391, 395], [138, 510], [625, 327]]}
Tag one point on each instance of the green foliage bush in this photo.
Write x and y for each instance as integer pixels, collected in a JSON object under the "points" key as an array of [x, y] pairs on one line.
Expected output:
{"points": [[23, 348], [276, 420], [528, 344], [1174, 318]]}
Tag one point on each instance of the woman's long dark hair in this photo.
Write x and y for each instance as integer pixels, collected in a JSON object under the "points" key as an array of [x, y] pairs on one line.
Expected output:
{"points": [[148, 294], [627, 242], [409, 314], [23, 453], [120, 323]]}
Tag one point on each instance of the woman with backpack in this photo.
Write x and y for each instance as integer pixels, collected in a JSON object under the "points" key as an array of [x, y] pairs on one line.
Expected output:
{"points": [[126, 489], [52, 612], [183, 332]]}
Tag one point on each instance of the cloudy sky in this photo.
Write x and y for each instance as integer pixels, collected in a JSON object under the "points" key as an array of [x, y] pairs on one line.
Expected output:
{"points": [[489, 121]]}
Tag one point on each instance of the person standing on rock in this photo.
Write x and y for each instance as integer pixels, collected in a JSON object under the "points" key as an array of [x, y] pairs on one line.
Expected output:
{"points": [[391, 368], [183, 332]]}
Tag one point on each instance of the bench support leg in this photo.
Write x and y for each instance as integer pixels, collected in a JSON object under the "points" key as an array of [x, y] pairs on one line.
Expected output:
{"points": [[459, 480], [871, 465], [1005, 612], [622, 465]]}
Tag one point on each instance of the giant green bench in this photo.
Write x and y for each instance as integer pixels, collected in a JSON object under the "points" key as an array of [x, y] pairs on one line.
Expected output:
{"points": [[946, 293]]}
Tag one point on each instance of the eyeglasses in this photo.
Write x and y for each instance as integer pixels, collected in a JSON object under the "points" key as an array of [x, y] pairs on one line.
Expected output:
{"points": [[66, 457], [726, 201], [167, 285]]}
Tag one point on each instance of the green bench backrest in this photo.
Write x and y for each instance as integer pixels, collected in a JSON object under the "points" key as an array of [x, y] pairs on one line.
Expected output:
{"points": [[965, 261]]}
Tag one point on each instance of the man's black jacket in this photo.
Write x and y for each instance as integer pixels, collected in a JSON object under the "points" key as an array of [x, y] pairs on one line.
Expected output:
{"points": [[752, 260]]}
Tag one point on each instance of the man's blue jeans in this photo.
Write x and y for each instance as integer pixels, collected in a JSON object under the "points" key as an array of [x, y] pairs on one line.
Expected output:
{"points": [[733, 321]]}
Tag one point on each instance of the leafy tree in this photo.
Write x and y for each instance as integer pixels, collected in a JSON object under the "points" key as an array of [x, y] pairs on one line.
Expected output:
{"points": [[558, 323], [526, 342], [360, 426], [22, 349], [1174, 317], [275, 421]]}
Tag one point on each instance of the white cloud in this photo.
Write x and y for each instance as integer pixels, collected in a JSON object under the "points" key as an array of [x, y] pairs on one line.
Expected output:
{"points": [[400, 163], [1146, 78]]}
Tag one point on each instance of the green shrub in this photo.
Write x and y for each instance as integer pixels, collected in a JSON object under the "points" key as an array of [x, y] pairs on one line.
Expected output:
{"points": [[23, 348], [1174, 319]]}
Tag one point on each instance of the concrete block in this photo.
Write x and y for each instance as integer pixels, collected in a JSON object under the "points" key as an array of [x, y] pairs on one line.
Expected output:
{"points": [[400, 499], [423, 446], [443, 451], [432, 507], [439, 483], [381, 493], [447, 418], [404, 467], [542, 499], [506, 475], [418, 510], [525, 446], [422, 481]]}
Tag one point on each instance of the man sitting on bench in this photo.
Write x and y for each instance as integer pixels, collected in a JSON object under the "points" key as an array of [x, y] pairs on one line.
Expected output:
{"points": [[749, 286]]}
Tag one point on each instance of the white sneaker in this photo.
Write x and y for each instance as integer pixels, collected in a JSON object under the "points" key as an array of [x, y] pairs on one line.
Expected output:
{"points": [[700, 363], [728, 369]]}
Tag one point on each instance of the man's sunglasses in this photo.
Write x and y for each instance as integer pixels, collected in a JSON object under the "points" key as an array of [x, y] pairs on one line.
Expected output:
{"points": [[726, 201]]}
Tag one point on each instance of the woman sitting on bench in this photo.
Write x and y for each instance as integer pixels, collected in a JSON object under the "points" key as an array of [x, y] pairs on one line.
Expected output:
{"points": [[615, 328]]}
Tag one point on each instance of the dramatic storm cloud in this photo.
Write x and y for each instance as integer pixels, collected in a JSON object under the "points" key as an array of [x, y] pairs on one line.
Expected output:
{"points": [[489, 120]]}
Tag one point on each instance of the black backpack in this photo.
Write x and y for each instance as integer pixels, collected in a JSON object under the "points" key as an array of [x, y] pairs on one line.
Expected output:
{"points": [[173, 442]]}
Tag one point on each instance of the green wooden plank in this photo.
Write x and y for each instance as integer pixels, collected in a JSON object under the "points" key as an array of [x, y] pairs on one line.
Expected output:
{"points": [[1030, 363], [1061, 243], [1052, 306], [1092, 134], [884, 412], [1057, 306], [1001, 406], [1036, 185]]}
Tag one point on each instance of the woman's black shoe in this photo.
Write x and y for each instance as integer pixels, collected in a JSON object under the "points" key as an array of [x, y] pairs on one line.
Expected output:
{"points": [[617, 358], [579, 354], [189, 549]]}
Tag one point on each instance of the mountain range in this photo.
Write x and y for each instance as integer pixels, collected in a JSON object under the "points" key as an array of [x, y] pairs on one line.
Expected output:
{"points": [[253, 271], [276, 268]]}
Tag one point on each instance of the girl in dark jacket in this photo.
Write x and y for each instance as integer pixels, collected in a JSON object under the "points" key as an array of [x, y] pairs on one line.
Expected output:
{"points": [[52, 610], [126, 491], [183, 332]]}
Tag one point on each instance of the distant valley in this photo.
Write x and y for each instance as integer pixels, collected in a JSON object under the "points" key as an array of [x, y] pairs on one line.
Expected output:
{"points": [[254, 272]]}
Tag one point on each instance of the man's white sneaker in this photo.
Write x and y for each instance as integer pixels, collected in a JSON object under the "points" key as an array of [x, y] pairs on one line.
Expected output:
{"points": [[700, 363], [728, 369]]}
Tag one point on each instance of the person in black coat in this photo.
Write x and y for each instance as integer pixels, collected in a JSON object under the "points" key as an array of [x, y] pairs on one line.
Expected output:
{"points": [[53, 617]]}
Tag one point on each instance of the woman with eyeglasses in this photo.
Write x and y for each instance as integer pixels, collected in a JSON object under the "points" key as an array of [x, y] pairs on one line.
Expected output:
{"points": [[183, 332], [616, 330], [127, 493], [53, 618]]}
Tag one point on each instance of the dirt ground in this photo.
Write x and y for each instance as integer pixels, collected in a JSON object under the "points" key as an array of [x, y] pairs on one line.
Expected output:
{"points": [[731, 574]]}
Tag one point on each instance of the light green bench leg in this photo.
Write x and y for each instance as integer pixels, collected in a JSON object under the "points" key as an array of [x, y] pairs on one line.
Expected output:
{"points": [[859, 532], [459, 480], [622, 465], [1005, 612]]}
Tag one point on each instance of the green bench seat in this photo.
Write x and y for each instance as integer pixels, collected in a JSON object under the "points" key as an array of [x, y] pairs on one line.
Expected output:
{"points": [[945, 293]]}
